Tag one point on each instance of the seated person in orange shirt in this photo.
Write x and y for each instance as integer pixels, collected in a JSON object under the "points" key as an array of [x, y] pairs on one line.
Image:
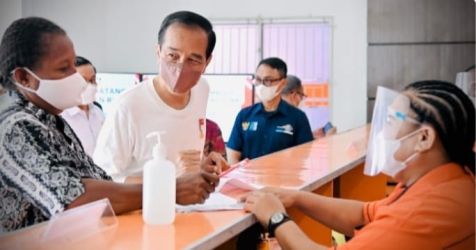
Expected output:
{"points": [[293, 93], [423, 138]]}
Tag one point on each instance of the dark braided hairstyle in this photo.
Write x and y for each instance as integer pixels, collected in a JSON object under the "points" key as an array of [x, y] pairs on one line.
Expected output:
{"points": [[449, 110], [23, 44]]}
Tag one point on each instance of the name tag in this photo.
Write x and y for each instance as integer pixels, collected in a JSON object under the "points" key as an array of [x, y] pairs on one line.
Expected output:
{"points": [[285, 129]]}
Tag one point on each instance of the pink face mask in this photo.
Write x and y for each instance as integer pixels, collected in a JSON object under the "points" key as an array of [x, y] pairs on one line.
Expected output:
{"points": [[179, 76]]}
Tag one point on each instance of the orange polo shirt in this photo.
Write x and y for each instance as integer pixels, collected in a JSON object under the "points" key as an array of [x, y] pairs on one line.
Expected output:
{"points": [[436, 212]]}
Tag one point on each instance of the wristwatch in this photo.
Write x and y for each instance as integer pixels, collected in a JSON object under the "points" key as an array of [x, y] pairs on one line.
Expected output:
{"points": [[276, 220]]}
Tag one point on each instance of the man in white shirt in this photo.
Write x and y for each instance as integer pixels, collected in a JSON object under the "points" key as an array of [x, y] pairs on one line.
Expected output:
{"points": [[86, 119], [173, 102]]}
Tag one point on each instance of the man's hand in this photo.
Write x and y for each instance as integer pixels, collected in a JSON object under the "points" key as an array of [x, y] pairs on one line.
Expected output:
{"points": [[195, 187], [263, 205], [214, 163], [188, 161]]}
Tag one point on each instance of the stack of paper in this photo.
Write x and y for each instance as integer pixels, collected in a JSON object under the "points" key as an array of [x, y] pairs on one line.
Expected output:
{"points": [[216, 202]]}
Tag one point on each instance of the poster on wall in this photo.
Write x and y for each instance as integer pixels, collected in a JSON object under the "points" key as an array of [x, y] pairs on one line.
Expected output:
{"points": [[111, 85]]}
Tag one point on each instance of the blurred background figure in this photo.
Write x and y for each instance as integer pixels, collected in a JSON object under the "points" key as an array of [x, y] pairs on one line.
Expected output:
{"points": [[5, 99], [293, 93], [86, 119], [213, 139], [465, 81]]}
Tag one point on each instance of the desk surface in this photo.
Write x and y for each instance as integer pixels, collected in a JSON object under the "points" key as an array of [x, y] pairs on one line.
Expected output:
{"points": [[305, 167]]}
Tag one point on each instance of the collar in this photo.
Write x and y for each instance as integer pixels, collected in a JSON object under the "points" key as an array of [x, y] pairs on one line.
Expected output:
{"points": [[283, 108], [76, 110], [442, 174]]}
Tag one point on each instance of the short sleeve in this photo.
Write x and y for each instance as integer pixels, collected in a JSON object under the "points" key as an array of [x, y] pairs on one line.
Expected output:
{"points": [[304, 132], [236, 137], [114, 145], [37, 166]]}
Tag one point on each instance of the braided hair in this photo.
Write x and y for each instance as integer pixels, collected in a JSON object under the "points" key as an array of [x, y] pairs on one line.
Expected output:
{"points": [[449, 110], [23, 44]]}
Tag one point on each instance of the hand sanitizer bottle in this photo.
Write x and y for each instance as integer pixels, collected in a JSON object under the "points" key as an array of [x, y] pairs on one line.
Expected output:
{"points": [[158, 190]]}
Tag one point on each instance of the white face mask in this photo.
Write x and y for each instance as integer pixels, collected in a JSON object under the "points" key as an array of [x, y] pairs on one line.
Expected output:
{"points": [[386, 154], [89, 94], [266, 94], [62, 93]]}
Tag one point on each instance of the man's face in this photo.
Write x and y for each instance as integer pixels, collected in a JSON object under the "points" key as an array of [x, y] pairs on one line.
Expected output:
{"points": [[87, 72], [183, 56], [269, 77], [298, 96], [295, 97]]}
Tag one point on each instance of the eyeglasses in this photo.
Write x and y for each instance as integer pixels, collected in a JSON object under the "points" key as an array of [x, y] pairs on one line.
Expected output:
{"points": [[393, 114], [301, 94], [266, 82]]}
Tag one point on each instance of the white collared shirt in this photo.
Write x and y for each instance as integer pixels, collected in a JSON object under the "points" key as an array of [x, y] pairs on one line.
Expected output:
{"points": [[87, 129]]}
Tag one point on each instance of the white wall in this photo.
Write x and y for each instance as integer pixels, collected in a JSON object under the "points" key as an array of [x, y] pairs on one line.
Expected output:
{"points": [[10, 10], [120, 36]]}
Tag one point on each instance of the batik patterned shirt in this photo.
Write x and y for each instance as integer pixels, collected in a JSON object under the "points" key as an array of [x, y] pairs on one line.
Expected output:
{"points": [[42, 163]]}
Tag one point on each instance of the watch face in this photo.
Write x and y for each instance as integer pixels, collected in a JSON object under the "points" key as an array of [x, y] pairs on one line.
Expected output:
{"points": [[277, 217]]}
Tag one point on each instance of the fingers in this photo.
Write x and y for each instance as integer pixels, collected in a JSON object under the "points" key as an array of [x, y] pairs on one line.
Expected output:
{"points": [[251, 200], [220, 162], [189, 160], [215, 163], [270, 190], [192, 189], [212, 179]]}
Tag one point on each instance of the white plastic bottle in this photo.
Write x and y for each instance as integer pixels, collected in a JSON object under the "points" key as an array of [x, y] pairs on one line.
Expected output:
{"points": [[158, 191]]}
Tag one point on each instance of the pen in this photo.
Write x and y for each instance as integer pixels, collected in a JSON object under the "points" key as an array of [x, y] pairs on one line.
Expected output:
{"points": [[236, 165]]}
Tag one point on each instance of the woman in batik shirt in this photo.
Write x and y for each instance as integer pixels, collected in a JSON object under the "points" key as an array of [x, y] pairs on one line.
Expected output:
{"points": [[43, 167]]}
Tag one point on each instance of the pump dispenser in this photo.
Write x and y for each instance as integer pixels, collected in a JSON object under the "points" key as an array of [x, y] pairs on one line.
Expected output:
{"points": [[158, 194]]}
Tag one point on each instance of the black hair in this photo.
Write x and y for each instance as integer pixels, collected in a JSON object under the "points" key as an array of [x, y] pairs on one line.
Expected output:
{"points": [[80, 61], [294, 84], [449, 110], [275, 63], [23, 44], [191, 19]]}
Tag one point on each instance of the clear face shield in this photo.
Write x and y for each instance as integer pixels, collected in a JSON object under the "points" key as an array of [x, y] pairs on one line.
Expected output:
{"points": [[466, 82], [390, 115]]}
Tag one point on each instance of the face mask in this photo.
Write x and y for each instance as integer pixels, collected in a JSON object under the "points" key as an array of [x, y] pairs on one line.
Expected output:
{"points": [[386, 154], [179, 77], [62, 93], [89, 94], [266, 94]]}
